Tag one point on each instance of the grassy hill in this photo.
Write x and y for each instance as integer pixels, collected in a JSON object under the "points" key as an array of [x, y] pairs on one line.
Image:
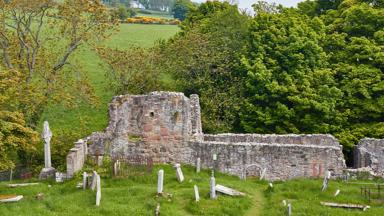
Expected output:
{"points": [[85, 119]]}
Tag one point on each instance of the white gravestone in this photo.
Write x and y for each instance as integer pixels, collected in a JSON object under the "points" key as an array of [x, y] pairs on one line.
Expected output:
{"points": [[337, 192], [212, 186], [48, 171], [85, 180], [197, 196], [160, 181], [198, 165], [289, 209], [262, 174], [179, 173], [326, 180], [98, 192]]}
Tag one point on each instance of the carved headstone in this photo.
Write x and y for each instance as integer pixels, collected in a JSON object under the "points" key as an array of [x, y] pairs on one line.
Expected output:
{"points": [[160, 181], [262, 174], [98, 192], [197, 196], [289, 210], [48, 171], [179, 173], [212, 186], [198, 165], [84, 180]]}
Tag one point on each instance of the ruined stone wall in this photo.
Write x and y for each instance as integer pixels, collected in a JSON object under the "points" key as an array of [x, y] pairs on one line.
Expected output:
{"points": [[282, 161], [370, 153], [300, 139], [76, 157], [166, 126], [154, 125]]}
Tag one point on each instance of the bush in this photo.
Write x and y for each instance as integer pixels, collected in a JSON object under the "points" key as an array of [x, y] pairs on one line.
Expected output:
{"points": [[152, 20]]}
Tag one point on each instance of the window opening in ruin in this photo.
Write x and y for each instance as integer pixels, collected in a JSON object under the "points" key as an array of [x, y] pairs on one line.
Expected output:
{"points": [[152, 114], [176, 117]]}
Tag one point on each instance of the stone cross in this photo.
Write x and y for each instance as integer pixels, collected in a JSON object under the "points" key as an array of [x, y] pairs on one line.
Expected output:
{"points": [[160, 181], [98, 192], [289, 209], [47, 135], [198, 165], [197, 196], [212, 186], [85, 180], [179, 173]]}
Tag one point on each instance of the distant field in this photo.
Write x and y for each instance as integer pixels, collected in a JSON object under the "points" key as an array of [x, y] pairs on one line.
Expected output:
{"points": [[156, 14], [85, 119]]}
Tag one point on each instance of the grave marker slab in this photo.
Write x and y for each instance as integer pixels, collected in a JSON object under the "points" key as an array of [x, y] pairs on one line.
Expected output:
{"points": [[160, 181], [179, 173], [197, 196]]}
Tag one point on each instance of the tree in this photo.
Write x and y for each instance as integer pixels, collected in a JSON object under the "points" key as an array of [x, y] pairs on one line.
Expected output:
{"points": [[17, 140], [29, 35], [289, 88], [181, 8]]}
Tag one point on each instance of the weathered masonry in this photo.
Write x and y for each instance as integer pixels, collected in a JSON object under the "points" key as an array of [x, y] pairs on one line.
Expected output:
{"points": [[370, 153], [166, 127]]}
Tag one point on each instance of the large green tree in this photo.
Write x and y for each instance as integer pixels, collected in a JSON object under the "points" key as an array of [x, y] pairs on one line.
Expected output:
{"points": [[289, 88]]}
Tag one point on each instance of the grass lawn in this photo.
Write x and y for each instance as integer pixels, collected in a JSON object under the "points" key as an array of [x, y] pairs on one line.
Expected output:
{"points": [[84, 118], [136, 195], [133, 196]]}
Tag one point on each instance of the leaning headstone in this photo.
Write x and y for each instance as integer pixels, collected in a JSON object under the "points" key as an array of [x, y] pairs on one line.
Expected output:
{"points": [[198, 165], [94, 180], [98, 192], [337, 192], [11, 175], [326, 180], [84, 180], [289, 210], [48, 171], [262, 174], [160, 181], [179, 173], [228, 191], [212, 186], [197, 196]]}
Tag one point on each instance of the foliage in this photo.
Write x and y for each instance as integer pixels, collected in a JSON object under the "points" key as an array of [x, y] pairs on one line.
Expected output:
{"points": [[181, 8], [289, 88], [29, 35], [153, 20]]}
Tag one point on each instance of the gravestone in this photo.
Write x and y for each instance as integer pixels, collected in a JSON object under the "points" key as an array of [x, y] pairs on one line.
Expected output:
{"points": [[48, 171], [228, 191], [60, 177], [84, 180], [212, 186], [98, 192], [198, 165], [160, 181], [337, 192], [179, 173], [262, 174], [326, 180], [94, 180], [289, 210], [197, 196]]}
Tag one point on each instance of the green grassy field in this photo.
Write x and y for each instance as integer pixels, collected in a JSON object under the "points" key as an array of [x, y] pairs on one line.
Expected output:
{"points": [[136, 195], [84, 118]]}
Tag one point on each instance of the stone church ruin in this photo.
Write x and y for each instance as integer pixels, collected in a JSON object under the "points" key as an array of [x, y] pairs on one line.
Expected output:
{"points": [[166, 127]]}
